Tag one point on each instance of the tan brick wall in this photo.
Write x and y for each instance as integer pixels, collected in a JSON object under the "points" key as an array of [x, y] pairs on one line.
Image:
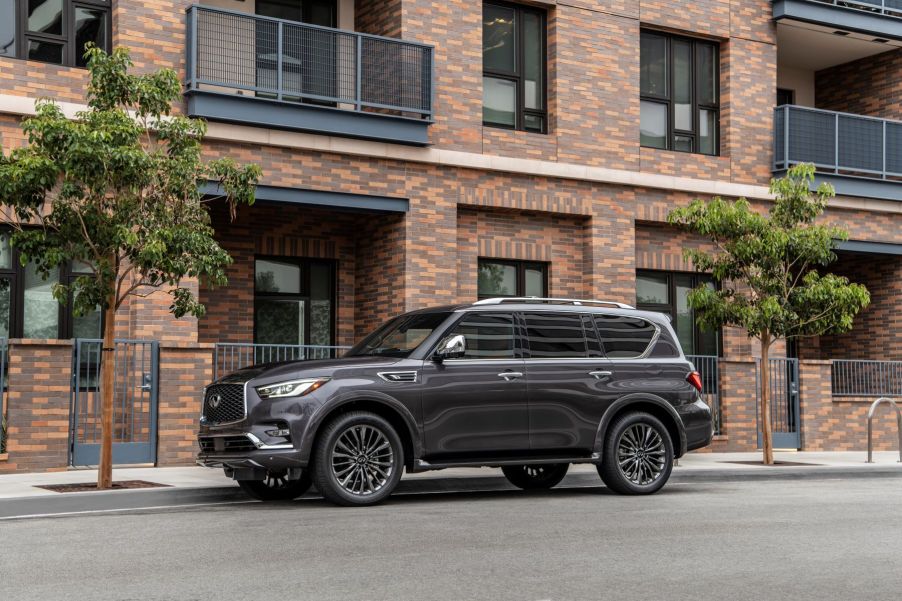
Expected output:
{"points": [[187, 370]]}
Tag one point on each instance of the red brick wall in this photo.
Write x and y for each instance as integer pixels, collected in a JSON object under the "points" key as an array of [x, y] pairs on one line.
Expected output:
{"points": [[738, 389], [379, 288], [869, 86], [378, 17], [39, 386], [187, 370]]}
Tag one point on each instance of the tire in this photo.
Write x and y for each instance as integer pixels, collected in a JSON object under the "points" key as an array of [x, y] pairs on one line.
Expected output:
{"points": [[276, 487], [357, 460], [638, 455], [535, 477]]}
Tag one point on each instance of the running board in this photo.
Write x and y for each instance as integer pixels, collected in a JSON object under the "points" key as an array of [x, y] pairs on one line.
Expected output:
{"points": [[422, 465]]}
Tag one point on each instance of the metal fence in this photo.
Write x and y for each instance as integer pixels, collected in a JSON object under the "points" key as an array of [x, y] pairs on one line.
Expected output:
{"points": [[4, 365], [889, 8], [230, 356], [709, 369], [838, 142], [784, 395], [852, 377], [240, 53]]}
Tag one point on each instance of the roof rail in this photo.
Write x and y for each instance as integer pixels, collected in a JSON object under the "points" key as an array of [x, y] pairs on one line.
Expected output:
{"points": [[538, 299]]}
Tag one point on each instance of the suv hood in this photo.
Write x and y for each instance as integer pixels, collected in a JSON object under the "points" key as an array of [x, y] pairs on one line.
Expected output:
{"points": [[305, 368]]}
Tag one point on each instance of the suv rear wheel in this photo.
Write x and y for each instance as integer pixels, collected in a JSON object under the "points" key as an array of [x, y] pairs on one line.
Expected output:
{"points": [[276, 487], [638, 455], [358, 459], [535, 477]]}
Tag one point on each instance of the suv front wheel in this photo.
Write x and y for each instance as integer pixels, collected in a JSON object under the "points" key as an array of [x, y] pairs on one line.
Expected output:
{"points": [[358, 459], [638, 455]]}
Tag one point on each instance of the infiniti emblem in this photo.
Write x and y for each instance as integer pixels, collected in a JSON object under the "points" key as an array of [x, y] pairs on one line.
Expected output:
{"points": [[214, 401]]}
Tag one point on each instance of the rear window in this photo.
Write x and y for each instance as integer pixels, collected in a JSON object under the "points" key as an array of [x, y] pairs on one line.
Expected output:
{"points": [[555, 335], [624, 337]]}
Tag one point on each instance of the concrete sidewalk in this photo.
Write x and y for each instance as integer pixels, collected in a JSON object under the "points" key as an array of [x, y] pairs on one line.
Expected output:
{"points": [[735, 466]]}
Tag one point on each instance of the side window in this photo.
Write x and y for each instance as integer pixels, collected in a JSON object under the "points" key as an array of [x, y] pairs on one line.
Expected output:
{"points": [[665, 347], [624, 337], [592, 341], [555, 335], [489, 336]]}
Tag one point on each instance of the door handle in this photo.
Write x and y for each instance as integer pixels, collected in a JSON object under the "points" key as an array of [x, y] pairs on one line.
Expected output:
{"points": [[600, 374], [510, 375]]}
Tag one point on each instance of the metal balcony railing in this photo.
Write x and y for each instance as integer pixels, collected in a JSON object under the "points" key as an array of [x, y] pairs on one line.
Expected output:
{"points": [[867, 378], [840, 143], [229, 356], [244, 54], [889, 8]]}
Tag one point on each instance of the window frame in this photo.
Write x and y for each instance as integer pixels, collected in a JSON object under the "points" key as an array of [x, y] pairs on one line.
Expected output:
{"points": [[521, 266], [577, 316], [671, 307], [70, 56], [517, 76], [304, 295], [696, 107]]}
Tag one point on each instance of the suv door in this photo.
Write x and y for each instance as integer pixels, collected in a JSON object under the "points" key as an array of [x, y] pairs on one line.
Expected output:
{"points": [[477, 404], [565, 372]]}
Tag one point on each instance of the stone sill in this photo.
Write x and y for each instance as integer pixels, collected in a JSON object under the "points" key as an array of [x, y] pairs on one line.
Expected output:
{"points": [[720, 437], [4, 456]]}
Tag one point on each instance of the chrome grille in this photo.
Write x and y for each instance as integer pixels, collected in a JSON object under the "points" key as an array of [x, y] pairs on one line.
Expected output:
{"points": [[224, 403]]}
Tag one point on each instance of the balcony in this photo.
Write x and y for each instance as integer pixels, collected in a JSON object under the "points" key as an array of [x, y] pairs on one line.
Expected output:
{"points": [[880, 19], [859, 155], [267, 72]]}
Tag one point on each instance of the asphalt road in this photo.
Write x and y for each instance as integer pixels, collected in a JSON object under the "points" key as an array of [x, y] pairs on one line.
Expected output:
{"points": [[816, 538]]}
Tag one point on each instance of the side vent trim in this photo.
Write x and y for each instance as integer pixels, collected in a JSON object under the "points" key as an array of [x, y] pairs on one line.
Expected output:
{"points": [[399, 377]]}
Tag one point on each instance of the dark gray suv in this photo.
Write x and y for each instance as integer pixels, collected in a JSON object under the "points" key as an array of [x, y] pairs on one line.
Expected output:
{"points": [[525, 384]]}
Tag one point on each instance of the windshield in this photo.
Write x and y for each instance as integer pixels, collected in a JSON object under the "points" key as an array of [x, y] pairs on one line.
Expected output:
{"points": [[400, 336]]}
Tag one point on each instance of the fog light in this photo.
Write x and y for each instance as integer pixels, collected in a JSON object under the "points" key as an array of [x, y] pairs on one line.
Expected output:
{"points": [[283, 432]]}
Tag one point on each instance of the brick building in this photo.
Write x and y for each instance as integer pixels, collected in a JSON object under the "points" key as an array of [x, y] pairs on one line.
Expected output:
{"points": [[417, 152]]}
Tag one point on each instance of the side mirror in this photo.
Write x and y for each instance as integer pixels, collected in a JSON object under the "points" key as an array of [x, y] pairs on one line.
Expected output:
{"points": [[452, 347]]}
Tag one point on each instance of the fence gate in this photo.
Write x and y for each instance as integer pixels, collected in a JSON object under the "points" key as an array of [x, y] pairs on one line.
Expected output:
{"points": [[134, 402], [784, 404]]}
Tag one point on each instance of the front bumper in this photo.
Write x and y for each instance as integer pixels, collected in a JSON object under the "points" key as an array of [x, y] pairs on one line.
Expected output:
{"points": [[244, 450]]}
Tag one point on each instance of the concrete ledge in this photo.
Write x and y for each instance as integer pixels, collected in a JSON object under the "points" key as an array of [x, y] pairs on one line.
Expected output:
{"points": [[839, 17], [4, 456]]}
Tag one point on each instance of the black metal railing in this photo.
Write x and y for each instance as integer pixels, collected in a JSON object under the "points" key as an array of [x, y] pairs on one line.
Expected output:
{"points": [[840, 143], [889, 8], [230, 356], [853, 377], [709, 369], [238, 53]]}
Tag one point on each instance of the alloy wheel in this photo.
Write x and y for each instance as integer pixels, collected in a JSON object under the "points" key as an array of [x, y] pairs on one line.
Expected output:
{"points": [[641, 454], [362, 460]]}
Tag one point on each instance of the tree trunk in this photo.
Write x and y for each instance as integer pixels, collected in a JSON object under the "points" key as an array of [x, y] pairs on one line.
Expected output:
{"points": [[767, 438], [107, 374]]}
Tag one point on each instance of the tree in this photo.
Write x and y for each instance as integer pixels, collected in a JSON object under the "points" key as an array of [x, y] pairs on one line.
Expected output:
{"points": [[117, 188], [771, 270]]}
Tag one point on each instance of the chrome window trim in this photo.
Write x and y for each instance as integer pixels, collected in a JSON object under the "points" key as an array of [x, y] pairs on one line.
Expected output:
{"points": [[648, 349]]}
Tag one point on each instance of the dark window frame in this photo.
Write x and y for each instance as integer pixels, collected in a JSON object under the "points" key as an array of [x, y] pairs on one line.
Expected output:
{"points": [[671, 307], [785, 96], [667, 98], [66, 39], [305, 293], [517, 75], [521, 265]]}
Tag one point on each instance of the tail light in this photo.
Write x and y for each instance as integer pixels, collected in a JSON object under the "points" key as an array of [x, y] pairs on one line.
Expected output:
{"points": [[695, 379]]}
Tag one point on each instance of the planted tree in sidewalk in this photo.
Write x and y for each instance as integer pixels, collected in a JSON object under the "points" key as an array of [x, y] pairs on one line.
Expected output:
{"points": [[771, 270], [117, 188]]}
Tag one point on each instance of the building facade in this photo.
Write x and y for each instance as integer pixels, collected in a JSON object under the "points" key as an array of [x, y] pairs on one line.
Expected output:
{"points": [[417, 152]]}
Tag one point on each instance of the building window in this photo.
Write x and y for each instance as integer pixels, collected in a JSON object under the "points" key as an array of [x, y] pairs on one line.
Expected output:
{"points": [[667, 293], [294, 301], [498, 277], [680, 95], [513, 63], [53, 31], [27, 306]]}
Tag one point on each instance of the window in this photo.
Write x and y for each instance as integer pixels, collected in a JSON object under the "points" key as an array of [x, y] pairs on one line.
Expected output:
{"points": [[511, 278], [785, 96], [513, 64], [400, 336], [294, 301], [668, 293], [624, 337], [680, 96], [53, 31], [555, 335], [489, 336], [27, 306]]}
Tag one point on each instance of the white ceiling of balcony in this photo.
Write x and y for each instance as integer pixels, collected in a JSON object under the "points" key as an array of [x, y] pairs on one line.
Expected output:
{"points": [[812, 47]]}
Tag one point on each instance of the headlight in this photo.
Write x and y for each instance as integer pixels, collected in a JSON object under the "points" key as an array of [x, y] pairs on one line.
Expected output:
{"points": [[292, 388]]}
